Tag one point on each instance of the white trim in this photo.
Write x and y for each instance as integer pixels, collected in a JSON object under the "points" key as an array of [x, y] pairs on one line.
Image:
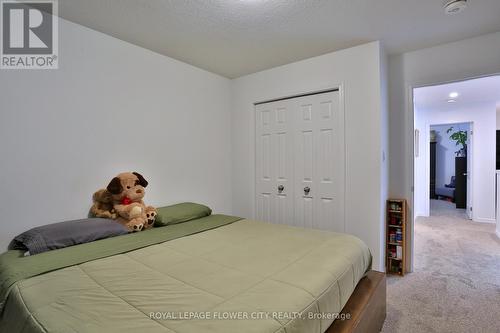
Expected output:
{"points": [[341, 89], [410, 147], [498, 233], [427, 173], [483, 220], [470, 198], [298, 93]]}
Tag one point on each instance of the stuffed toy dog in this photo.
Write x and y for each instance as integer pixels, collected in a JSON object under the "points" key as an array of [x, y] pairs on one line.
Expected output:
{"points": [[127, 191], [103, 205]]}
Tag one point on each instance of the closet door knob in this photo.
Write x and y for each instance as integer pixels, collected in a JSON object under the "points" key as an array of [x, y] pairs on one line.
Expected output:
{"points": [[307, 189], [281, 188]]}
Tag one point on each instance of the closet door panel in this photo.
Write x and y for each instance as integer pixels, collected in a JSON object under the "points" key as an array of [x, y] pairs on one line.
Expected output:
{"points": [[320, 162], [274, 162], [304, 163], [330, 163], [263, 162], [283, 163], [264, 207]]}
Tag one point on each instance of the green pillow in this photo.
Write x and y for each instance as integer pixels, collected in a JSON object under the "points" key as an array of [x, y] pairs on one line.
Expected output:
{"points": [[179, 213]]}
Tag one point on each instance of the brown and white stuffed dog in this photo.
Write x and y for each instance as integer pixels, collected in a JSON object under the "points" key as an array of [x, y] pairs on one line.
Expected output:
{"points": [[127, 191], [103, 205]]}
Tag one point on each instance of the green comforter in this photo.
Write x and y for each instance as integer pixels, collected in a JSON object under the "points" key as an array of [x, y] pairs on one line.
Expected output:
{"points": [[214, 274]]}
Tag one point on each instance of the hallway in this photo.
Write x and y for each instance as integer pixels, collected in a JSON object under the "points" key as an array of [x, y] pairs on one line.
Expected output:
{"points": [[456, 283], [440, 208]]}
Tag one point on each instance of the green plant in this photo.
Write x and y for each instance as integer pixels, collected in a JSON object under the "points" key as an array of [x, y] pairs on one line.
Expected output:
{"points": [[460, 137]]}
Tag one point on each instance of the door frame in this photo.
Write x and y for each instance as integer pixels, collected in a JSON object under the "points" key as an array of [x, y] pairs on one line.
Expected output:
{"points": [[410, 150], [340, 87], [470, 174]]}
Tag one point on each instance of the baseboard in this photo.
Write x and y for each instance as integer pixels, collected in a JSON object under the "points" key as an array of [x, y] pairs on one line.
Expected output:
{"points": [[483, 220], [498, 233]]}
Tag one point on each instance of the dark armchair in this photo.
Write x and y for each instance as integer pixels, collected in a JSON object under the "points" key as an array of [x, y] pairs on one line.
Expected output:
{"points": [[448, 191]]}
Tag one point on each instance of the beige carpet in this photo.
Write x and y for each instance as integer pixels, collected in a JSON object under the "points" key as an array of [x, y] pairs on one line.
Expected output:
{"points": [[455, 286]]}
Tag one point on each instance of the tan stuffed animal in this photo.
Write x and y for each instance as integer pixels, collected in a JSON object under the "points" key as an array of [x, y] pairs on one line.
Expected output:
{"points": [[103, 205], [127, 191]]}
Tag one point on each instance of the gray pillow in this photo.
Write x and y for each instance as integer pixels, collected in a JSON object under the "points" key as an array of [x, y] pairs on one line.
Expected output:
{"points": [[63, 234]]}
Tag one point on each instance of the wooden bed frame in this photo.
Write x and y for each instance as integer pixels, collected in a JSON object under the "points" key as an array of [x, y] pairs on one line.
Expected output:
{"points": [[366, 306]]}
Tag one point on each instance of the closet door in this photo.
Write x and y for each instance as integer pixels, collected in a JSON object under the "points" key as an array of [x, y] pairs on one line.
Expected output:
{"points": [[319, 162], [274, 162]]}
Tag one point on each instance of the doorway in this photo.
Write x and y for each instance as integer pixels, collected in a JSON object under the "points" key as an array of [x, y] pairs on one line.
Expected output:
{"points": [[476, 103], [463, 119], [450, 169]]}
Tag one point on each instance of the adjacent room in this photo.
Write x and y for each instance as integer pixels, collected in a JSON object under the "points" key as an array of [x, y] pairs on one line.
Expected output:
{"points": [[249, 166], [450, 174], [455, 245], [455, 149]]}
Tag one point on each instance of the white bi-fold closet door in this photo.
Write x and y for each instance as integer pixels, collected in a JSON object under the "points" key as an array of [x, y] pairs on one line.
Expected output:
{"points": [[300, 161]]}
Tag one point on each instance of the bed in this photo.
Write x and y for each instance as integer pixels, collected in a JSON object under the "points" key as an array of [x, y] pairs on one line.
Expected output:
{"points": [[214, 274]]}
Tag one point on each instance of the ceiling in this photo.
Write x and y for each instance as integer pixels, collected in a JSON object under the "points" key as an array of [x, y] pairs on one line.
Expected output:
{"points": [[238, 37], [482, 90]]}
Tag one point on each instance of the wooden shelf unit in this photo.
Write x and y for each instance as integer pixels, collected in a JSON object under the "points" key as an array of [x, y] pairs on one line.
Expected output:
{"points": [[396, 222]]}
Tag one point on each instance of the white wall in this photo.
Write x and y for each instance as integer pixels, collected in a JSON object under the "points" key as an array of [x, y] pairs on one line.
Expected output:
{"points": [[110, 107], [497, 229], [449, 62], [384, 129], [498, 117], [483, 148], [421, 170], [360, 71]]}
